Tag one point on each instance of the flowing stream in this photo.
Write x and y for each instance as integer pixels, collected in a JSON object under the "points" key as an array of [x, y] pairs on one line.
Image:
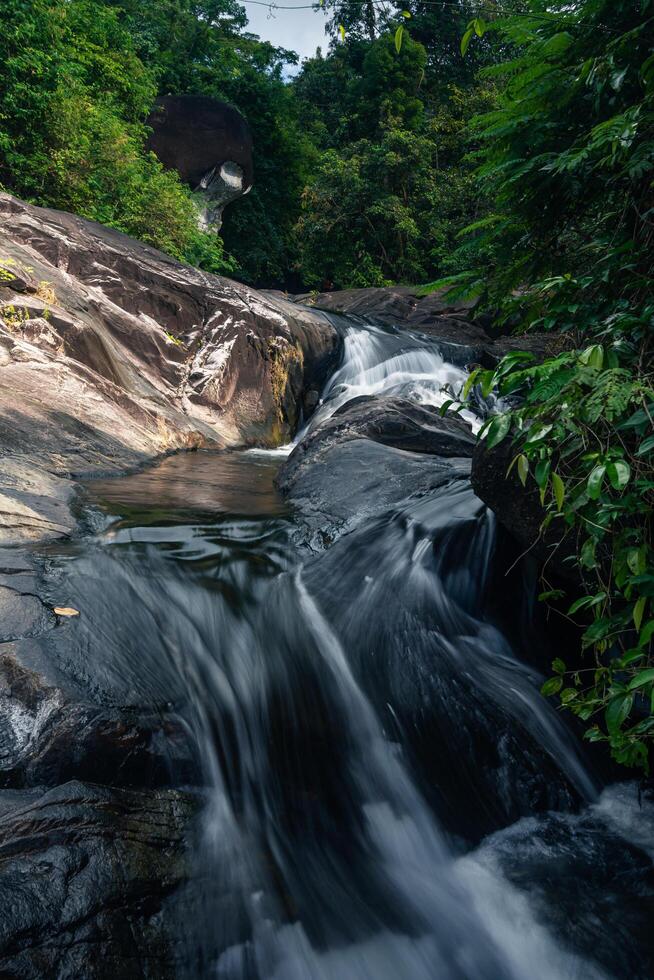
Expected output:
{"points": [[386, 794]]}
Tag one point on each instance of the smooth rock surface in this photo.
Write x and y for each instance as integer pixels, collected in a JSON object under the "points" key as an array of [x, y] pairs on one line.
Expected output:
{"points": [[123, 354], [391, 421], [373, 453]]}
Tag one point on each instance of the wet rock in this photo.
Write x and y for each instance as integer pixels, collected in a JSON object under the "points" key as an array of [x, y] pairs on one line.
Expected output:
{"points": [[336, 487], [519, 509], [389, 305], [410, 597], [589, 885], [391, 421], [47, 738], [22, 615], [129, 355], [85, 872], [374, 452], [464, 337]]}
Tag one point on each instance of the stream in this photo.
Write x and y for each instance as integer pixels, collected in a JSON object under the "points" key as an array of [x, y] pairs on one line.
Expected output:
{"points": [[385, 793]]}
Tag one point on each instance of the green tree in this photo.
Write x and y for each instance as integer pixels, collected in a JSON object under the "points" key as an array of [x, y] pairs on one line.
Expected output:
{"points": [[72, 105], [569, 159]]}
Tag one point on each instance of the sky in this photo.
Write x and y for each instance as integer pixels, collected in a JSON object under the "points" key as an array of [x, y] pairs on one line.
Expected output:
{"points": [[299, 30]]}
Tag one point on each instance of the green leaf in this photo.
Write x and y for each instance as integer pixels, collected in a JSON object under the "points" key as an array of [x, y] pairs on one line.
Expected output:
{"points": [[593, 357], [487, 382], [405, 13], [470, 380], [551, 594], [618, 711], [619, 474], [646, 634], [595, 481], [558, 666], [558, 488], [639, 611], [399, 33], [637, 560], [586, 602], [538, 432], [552, 686], [646, 447], [465, 40], [523, 468], [542, 472], [341, 31], [442, 411], [479, 26], [640, 680], [498, 429], [587, 554]]}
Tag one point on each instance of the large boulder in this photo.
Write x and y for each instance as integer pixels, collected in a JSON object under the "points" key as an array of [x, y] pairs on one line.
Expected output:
{"points": [[371, 455], [519, 509], [85, 872], [382, 490], [209, 144], [120, 353], [583, 871], [392, 421]]}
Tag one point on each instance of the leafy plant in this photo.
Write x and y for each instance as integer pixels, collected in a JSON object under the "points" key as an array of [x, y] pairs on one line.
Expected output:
{"points": [[568, 157]]}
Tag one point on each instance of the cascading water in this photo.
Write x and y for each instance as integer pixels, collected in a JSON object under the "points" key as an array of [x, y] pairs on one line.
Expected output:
{"points": [[377, 361], [359, 718]]}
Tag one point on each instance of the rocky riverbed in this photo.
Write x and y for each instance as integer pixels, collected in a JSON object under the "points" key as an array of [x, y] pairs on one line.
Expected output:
{"points": [[270, 708]]}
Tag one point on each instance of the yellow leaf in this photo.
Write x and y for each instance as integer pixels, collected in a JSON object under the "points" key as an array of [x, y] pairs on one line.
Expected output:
{"points": [[66, 611]]}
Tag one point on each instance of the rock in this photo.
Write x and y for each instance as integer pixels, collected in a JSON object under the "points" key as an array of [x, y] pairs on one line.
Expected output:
{"points": [[389, 305], [85, 872], [372, 454], [391, 421], [111, 353], [409, 595], [129, 355], [22, 615], [209, 144], [47, 738], [580, 873], [17, 279], [519, 509]]}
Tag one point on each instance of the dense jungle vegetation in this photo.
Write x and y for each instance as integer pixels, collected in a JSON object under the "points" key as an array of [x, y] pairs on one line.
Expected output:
{"points": [[505, 147]]}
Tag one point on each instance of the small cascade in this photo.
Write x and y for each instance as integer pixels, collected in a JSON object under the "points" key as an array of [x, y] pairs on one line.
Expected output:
{"points": [[370, 744], [378, 361]]}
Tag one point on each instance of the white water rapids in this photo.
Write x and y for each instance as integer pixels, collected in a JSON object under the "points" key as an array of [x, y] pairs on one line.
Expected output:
{"points": [[387, 795]]}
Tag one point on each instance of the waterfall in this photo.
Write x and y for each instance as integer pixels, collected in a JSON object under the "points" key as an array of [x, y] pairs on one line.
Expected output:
{"points": [[377, 361], [371, 744]]}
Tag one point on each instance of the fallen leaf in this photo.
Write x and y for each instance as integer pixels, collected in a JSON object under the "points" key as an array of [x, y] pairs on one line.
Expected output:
{"points": [[66, 611]]}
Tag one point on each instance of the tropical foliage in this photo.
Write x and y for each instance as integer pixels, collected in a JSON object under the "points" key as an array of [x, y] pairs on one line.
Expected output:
{"points": [[568, 158], [73, 100], [372, 134]]}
